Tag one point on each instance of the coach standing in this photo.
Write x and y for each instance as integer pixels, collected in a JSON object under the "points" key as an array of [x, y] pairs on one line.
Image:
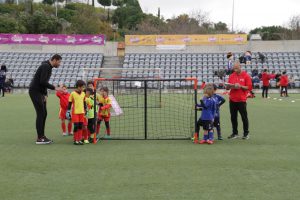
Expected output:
{"points": [[240, 84], [38, 94]]}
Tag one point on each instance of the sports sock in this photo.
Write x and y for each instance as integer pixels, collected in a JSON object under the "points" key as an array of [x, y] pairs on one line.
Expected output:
{"points": [[88, 133], [98, 129], [69, 127], [75, 136], [108, 131], [79, 136], [205, 137], [211, 136], [63, 127], [85, 134], [219, 131]]}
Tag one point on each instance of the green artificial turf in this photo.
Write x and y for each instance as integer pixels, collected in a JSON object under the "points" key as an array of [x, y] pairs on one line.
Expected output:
{"points": [[265, 167]]}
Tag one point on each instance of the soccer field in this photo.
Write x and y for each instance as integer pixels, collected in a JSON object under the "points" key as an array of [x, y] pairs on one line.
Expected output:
{"points": [[265, 167]]}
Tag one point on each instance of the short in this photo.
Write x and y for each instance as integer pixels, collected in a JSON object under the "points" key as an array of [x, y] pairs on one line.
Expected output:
{"points": [[62, 113], [78, 118], [105, 118], [85, 121], [217, 121], [207, 125]]}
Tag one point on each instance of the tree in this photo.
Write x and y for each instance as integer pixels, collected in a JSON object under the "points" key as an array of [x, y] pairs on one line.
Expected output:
{"points": [[128, 15], [200, 16], [294, 25], [9, 1], [105, 3], [272, 32], [40, 22], [8, 24], [294, 22], [183, 24], [221, 27], [117, 3], [151, 25]]}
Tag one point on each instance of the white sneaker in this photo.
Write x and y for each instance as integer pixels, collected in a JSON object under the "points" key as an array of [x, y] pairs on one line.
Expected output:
{"points": [[65, 134], [71, 133]]}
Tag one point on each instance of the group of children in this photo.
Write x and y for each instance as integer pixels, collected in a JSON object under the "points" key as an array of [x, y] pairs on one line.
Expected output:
{"points": [[78, 107], [210, 116]]}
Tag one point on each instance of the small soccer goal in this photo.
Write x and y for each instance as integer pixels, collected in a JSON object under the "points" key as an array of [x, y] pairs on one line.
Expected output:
{"points": [[151, 108]]}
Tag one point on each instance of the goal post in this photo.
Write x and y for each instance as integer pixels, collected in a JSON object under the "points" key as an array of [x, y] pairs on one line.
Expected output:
{"points": [[174, 118]]}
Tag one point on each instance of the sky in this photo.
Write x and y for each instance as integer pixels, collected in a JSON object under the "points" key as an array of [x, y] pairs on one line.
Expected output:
{"points": [[248, 14]]}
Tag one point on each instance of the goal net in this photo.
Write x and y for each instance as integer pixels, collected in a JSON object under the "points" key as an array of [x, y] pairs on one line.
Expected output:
{"points": [[133, 88], [150, 108]]}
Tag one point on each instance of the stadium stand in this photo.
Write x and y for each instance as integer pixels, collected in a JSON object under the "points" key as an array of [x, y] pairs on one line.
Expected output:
{"points": [[22, 66], [205, 66]]}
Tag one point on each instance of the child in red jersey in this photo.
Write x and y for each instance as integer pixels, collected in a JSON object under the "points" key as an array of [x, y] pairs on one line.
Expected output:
{"points": [[284, 82], [64, 101]]}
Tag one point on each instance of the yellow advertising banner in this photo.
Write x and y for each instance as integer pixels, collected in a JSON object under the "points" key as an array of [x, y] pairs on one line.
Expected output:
{"points": [[140, 40], [189, 40]]}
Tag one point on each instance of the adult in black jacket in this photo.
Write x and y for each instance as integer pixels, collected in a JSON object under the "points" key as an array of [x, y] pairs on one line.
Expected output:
{"points": [[3, 71], [38, 94]]}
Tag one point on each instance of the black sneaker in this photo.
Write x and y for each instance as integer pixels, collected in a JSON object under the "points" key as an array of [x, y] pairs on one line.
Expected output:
{"points": [[43, 140], [233, 136], [246, 137], [91, 140], [220, 138]]}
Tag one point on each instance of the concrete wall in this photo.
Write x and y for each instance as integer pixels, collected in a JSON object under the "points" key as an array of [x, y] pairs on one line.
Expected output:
{"points": [[110, 48], [264, 46]]}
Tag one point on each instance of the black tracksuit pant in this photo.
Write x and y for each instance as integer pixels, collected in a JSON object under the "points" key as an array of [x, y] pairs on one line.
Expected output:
{"points": [[2, 89], [240, 107], [265, 91], [39, 104]]}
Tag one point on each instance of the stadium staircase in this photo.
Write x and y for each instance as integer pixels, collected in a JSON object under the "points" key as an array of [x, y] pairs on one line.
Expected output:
{"points": [[112, 62]]}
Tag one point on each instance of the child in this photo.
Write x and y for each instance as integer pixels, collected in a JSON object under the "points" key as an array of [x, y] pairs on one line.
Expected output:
{"points": [[76, 99], [104, 111], [284, 82], [206, 120], [90, 114], [64, 101], [219, 102], [90, 85]]}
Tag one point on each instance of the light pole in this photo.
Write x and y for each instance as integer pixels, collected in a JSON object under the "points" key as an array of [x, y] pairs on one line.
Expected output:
{"points": [[232, 22], [56, 8]]}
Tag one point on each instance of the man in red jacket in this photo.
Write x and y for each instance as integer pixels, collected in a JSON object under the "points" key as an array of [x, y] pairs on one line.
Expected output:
{"points": [[284, 82], [239, 84], [265, 77]]}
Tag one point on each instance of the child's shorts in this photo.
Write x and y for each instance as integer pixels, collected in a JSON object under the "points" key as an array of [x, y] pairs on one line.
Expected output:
{"points": [[105, 118], [62, 113], [207, 125], [78, 118]]}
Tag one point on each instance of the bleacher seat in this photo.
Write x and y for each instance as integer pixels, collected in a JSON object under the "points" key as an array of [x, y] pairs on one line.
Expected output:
{"points": [[205, 65], [22, 66]]}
